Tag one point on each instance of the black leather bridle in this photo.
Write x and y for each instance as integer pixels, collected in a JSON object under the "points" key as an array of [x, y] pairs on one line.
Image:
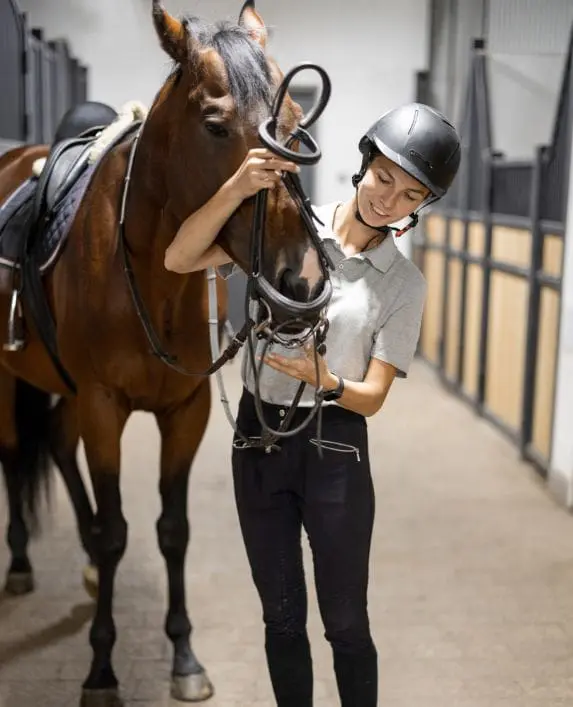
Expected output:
{"points": [[302, 321]]}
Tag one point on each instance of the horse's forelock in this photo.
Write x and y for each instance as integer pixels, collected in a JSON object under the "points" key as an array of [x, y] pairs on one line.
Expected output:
{"points": [[248, 74]]}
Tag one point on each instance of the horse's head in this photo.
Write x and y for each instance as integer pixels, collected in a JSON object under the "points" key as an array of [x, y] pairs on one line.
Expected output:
{"points": [[210, 110]]}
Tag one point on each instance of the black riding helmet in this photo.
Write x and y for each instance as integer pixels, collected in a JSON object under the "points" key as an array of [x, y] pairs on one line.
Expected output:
{"points": [[421, 141]]}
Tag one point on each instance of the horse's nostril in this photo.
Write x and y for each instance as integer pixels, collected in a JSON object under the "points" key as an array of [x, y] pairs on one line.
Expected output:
{"points": [[317, 290], [293, 287]]}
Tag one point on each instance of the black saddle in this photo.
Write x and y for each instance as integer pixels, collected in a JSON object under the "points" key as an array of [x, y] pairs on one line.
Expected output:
{"points": [[35, 211], [68, 158], [65, 164], [37, 217], [83, 117]]}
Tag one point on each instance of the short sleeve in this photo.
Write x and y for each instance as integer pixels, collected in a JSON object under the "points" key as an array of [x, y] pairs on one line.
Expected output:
{"points": [[397, 339], [226, 270]]}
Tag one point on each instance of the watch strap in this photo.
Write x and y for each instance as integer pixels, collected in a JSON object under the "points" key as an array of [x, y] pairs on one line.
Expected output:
{"points": [[337, 392]]}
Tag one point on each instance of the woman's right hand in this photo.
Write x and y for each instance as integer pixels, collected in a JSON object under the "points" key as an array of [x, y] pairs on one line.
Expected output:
{"points": [[261, 169]]}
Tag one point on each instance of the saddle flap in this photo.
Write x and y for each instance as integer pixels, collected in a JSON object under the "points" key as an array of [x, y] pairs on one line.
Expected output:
{"points": [[64, 165]]}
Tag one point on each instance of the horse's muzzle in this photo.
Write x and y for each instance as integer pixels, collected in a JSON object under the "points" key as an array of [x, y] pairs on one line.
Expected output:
{"points": [[289, 315]]}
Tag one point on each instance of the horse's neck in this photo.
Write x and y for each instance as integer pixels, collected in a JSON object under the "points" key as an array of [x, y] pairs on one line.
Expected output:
{"points": [[151, 224], [147, 206]]}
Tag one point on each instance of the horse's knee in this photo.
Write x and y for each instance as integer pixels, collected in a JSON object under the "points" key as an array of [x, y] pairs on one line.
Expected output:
{"points": [[110, 539], [172, 535], [64, 435]]}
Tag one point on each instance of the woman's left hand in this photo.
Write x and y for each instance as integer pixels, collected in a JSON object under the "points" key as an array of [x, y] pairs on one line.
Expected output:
{"points": [[303, 367]]}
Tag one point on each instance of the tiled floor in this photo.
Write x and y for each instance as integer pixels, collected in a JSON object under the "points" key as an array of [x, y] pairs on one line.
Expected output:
{"points": [[472, 576]]}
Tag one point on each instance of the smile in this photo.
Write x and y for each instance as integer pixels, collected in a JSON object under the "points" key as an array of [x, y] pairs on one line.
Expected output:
{"points": [[377, 211]]}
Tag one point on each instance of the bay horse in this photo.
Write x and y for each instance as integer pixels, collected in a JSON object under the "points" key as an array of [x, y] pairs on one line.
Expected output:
{"points": [[202, 122]]}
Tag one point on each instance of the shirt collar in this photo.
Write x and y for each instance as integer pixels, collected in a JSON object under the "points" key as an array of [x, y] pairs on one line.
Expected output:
{"points": [[381, 257]]}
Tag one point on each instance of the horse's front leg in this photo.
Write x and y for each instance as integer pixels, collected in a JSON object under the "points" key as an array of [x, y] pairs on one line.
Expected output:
{"points": [[181, 432], [101, 422], [64, 440]]}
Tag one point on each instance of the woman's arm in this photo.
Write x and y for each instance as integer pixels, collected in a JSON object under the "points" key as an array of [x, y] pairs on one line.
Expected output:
{"points": [[192, 248], [212, 257], [198, 231], [365, 397]]}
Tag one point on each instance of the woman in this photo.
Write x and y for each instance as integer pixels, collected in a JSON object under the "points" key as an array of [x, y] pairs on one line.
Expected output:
{"points": [[410, 157]]}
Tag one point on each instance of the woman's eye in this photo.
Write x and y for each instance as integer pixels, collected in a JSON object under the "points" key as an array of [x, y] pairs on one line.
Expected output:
{"points": [[217, 129]]}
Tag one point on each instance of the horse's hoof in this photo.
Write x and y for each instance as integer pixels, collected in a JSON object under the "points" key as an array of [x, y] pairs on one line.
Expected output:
{"points": [[90, 577], [19, 583], [191, 688], [101, 698]]}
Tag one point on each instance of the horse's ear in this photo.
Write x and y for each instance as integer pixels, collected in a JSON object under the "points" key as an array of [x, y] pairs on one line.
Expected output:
{"points": [[250, 19], [171, 33]]}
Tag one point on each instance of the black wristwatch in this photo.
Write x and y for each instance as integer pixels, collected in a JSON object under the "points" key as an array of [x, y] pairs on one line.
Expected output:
{"points": [[337, 392]]}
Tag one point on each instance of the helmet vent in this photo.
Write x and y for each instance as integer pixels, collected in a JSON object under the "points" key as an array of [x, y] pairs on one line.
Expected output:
{"points": [[420, 161], [414, 121]]}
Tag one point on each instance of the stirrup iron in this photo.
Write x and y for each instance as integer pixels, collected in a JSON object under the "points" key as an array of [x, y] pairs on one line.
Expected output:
{"points": [[15, 340]]}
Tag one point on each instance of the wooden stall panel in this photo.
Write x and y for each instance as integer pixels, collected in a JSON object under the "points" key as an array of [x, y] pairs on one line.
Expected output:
{"points": [[545, 375], [474, 297], [511, 246], [553, 255], [432, 320], [476, 239], [506, 347], [452, 326], [453, 319], [433, 262], [456, 234], [474, 300], [435, 228]]}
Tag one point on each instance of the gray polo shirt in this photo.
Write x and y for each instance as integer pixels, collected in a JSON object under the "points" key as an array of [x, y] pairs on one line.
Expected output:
{"points": [[375, 312]]}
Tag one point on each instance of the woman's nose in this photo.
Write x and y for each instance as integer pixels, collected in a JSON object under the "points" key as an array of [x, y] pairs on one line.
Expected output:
{"points": [[388, 200]]}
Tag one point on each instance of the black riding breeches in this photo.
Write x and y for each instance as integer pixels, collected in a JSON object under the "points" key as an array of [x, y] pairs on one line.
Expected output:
{"points": [[279, 493]]}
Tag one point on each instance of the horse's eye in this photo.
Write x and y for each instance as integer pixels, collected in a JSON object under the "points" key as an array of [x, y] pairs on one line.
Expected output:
{"points": [[217, 129]]}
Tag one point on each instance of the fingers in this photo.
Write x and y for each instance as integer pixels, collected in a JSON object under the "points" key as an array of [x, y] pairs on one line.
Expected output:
{"points": [[264, 179], [282, 362], [309, 349], [268, 160], [261, 169], [291, 366]]}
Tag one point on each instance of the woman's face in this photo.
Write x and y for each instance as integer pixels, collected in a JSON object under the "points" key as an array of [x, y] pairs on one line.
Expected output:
{"points": [[387, 194]]}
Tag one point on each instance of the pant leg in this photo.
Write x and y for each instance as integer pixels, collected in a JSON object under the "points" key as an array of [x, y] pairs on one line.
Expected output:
{"points": [[338, 514], [270, 519]]}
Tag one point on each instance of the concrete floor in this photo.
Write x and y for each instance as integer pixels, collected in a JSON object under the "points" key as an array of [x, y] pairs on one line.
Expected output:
{"points": [[472, 576]]}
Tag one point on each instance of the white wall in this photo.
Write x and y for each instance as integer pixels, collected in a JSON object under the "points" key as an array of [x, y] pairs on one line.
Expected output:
{"points": [[561, 467], [371, 51], [527, 44]]}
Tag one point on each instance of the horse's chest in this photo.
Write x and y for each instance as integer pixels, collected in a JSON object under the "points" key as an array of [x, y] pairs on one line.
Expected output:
{"points": [[131, 337]]}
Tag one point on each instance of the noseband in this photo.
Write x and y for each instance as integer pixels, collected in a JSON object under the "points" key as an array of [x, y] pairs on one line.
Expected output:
{"points": [[277, 314]]}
